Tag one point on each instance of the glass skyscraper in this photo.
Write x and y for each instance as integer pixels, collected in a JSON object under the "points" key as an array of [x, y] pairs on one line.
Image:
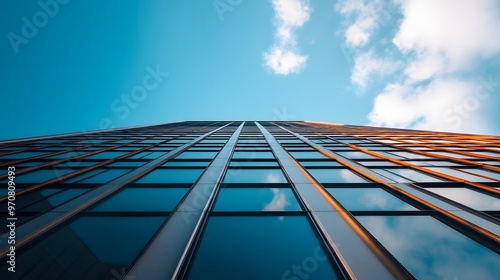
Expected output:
{"points": [[251, 200]]}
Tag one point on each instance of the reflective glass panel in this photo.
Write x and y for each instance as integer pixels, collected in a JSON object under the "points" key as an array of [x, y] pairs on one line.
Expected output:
{"points": [[106, 155], [335, 176], [105, 176], [52, 201], [200, 155], [256, 199], [252, 155], [376, 163], [307, 155], [405, 175], [41, 175], [89, 248], [355, 155], [268, 247], [364, 199], [143, 199], [187, 163], [253, 163], [319, 163], [431, 250], [487, 173], [171, 176], [468, 197], [234, 175], [461, 175]]}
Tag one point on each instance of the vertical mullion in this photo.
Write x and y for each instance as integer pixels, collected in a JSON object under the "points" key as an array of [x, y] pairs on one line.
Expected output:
{"points": [[336, 224], [165, 254]]}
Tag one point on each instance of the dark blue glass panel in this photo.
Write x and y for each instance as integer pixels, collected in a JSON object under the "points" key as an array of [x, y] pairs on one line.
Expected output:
{"points": [[52, 201], [106, 155], [251, 155], [143, 199], [256, 199], [267, 247], [364, 199], [171, 176], [335, 176], [254, 176], [431, 250], [98, 248], [41, 175]]}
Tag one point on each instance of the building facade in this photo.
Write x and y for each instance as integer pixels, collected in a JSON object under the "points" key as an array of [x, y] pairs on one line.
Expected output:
{"points": [[251, 200]]}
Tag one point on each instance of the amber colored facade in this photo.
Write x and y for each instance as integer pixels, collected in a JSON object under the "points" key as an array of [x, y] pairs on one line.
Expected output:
{"points": [[251, 200]]}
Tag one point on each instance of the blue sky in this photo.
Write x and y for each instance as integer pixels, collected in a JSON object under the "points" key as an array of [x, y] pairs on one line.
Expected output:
{"points": [[70, 66]]}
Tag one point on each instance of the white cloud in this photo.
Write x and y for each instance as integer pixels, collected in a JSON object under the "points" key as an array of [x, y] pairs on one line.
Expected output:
{"points": [[459, 30], [283, 57], [366, 64], [440, 44], [362, 17], [443, 105], [278, 203]]}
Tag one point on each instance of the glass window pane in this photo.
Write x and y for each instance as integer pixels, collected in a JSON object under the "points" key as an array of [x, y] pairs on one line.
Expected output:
{"points": [[319, 163], [199, 155], [23, 155], [41, 175], [187, 163], [254, 176], [487, 173], [266, 247], [252, 155], [461, 175], [405, 175], [307, 155], [470, 198], [127, 163], [431, 250], [106, 155], [143, 199], [335, 176], [171, 176], [52, 201], [256, 199], [376, 163], [88, 248], [364, 199], [355, 155], [253, 163]]}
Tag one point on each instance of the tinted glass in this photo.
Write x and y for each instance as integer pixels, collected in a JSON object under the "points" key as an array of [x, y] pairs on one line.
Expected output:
{"points": [[254, 176], [266, 247], [432, 250], [256, 199], [171, 176], [404, 175], [469, 198], [305, 155], [143, 199], [252, 155], [335, 176], [88, 248], [363, 199]]}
